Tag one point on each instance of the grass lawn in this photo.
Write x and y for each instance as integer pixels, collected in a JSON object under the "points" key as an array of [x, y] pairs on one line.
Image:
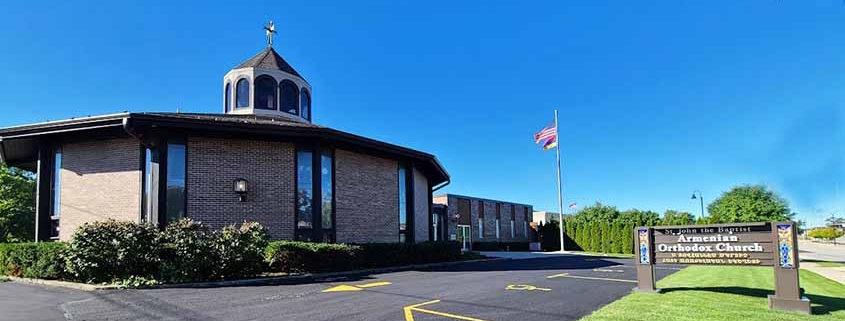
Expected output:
{"points": [[724, 293]]}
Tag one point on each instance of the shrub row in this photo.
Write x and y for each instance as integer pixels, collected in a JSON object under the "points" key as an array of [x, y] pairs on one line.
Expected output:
{"points": [[500, 246], [185, 251], [32, 260], [290, 256]]}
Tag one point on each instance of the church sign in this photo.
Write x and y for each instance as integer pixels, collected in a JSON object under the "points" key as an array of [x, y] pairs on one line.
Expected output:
{"points": [[744, 244]]}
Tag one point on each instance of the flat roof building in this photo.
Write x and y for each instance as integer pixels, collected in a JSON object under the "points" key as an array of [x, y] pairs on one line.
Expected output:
{"points": [[482, 220]]}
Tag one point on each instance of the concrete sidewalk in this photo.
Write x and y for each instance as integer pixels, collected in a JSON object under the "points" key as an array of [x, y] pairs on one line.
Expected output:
{"points": [[834, 273]]}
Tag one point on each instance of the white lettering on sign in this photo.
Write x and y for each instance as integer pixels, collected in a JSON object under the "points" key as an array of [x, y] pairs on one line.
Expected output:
{"points": [[720, 247], [705, 239]]}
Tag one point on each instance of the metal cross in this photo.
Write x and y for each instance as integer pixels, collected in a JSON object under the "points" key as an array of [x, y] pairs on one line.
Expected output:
{"points": [[270, 29]]}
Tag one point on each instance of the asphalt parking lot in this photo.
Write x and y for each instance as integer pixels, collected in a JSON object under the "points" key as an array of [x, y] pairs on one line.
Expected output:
{"points": [[564, 287]]}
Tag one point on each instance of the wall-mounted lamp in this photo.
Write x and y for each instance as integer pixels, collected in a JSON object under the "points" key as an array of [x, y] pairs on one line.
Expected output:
{"points": [[241, 188]]}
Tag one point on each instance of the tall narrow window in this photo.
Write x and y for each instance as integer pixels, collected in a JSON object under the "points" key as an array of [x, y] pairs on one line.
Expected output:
{"points": [[175, 197], [327, 193], [305, 104], [513, 220], [265, 92], [403, 205], [498, 217], [227, 96], [480, 219], [315, 194], [242, 93], [56, 190], [290, 97], [304, 194], [148, 188]]}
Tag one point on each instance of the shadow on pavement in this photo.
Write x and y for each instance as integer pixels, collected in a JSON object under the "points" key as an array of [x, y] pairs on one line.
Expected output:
{"points": [[821, 304]]}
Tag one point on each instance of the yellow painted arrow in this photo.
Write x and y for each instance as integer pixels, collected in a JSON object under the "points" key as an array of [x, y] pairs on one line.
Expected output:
{"points": [[352, 288], [409, 316]]}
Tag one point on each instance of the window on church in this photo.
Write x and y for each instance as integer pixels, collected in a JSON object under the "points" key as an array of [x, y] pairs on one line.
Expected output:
{"points": [[290, 97], [315, 194], [227, 103], [176, 169], [403, 205], [265, 92], [305, 104], [243, 93], [56, 190]]}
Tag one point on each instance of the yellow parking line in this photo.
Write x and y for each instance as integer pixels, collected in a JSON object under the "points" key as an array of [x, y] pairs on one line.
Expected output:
{"points": [[566, 275], [369, 285], [416, 307]]}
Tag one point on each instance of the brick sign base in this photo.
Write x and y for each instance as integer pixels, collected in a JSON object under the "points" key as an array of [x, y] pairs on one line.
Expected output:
{"points": [[772, 244]]}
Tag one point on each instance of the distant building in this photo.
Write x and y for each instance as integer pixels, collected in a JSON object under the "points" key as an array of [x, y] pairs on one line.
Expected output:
{"points": [[480, 220], [544, 217]]}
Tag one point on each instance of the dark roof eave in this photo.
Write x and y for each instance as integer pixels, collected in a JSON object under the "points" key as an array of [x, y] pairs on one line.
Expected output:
{"points": [[117, 120]]}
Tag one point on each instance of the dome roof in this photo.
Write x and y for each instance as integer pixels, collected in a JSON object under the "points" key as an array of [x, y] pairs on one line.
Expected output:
{"points": [[269, 59]]}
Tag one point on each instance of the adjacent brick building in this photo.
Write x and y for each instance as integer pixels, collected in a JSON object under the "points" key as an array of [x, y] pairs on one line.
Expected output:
{"points": [[261, 160], [483, 220]]}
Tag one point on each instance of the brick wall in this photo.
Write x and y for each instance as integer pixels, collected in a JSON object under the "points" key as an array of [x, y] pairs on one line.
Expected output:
{"points": [[100, 180], [367, 198], [489, 219], [421, 214], [214, 164]]}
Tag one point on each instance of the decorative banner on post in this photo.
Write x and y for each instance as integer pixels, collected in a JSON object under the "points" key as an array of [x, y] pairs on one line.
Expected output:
{"points": [[645, 251], [786, 250]]}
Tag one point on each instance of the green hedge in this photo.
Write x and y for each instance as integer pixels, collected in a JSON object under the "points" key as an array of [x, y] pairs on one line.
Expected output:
{"points": [[602, 237], [289, 256], [500, 246], [32, 260]]}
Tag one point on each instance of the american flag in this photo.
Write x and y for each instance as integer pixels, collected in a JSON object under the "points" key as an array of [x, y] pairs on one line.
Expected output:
{"points": [[546, 133], [573, 206]]}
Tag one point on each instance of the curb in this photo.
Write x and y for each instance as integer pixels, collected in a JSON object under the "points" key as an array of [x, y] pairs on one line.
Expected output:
{"points": [[279, 280]]}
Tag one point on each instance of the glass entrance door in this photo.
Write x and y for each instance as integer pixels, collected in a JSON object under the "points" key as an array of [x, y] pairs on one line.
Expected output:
{"points": [[465, 237]]}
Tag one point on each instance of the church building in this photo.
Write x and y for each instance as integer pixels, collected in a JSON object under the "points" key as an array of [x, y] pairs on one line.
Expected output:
{"points": [[261, 159]]}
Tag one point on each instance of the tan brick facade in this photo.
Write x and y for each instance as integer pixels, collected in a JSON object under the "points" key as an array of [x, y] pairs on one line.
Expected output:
{"points": [[100, 180], [366, 198], [213, 166]]}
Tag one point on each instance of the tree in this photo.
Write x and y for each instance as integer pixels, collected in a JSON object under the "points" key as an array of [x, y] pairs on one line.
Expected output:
{"points": [[833, 220], [673, 217], [17, 205], [596, 213], [826, 233], [749, 203], [639, 218]]}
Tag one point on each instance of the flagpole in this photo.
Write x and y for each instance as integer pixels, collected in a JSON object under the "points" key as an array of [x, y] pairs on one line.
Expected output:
{"points": [[559, 184]]}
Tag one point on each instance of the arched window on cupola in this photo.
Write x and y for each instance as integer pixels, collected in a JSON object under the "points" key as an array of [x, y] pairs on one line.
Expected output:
{"points": [[242, 93], [227, 104], [265, 92], [290, 97], [305, 104]]}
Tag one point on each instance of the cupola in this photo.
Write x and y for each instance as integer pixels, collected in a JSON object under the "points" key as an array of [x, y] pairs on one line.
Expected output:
{"points": [[267, 85]]}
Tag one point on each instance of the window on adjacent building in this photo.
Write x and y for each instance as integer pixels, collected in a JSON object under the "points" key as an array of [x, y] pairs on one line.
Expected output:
{"points": [[498, 217], [290, 97], [265, 92], [56, 190], [305, 104], [403, 204], [242, 93], [176, 170]]}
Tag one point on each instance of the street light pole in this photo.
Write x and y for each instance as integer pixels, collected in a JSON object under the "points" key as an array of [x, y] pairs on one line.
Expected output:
{"points": [[700, 198]]}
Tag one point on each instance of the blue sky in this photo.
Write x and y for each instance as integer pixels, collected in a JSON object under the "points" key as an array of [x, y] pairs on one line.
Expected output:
{"points": [[656, 99]]}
